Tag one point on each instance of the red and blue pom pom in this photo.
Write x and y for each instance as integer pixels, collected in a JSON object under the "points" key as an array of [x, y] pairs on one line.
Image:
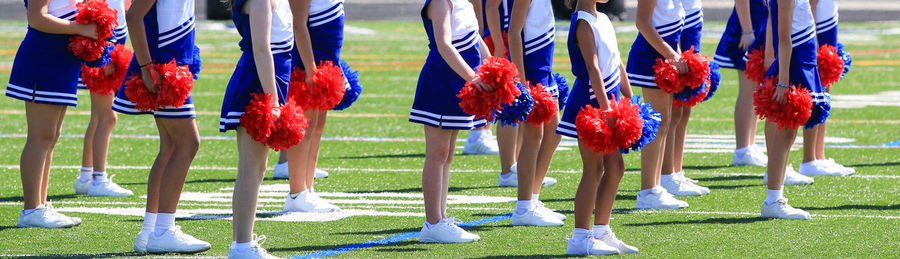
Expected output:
{"points": [[600, 137], [328, 91], [277, 132], [545, 106], [174, 87], [830, 64], [104, 57], [793, 113], [495, 71], [668, 79], [511, 114], [289, 129], [353, 89], [563, 87], [755, 68], [845, 56], [105, 18], [651, 119], [95, 78], [715, 78], [690, 97]]}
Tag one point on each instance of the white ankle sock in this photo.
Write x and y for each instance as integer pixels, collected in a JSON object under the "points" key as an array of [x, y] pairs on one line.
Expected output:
{"points": [[164, 222], [295, 195], [645, 192], [580, 233], [600, 230], [85, 174], [534, 196], [98, 177], [773, 195], [240, 247], [149, 222], [523, 206], [475, 135], [665, 178], [742, 151]]}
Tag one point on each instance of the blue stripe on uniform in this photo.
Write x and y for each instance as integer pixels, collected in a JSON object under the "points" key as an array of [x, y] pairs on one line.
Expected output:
{"points": [[326, 16], [32, 95], [669, 29], [537, 43]]}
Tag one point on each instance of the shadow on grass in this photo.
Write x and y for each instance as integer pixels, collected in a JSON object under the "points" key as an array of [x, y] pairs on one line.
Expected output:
{"points": [[49, 198], [705, 167], [383, 232], [316, 248], [856, 207], [729, 187], [422, 155], [530, 256], [730, 178], [618, 197], [703, 221], [875, 164], [103, 255], [419, 189]]}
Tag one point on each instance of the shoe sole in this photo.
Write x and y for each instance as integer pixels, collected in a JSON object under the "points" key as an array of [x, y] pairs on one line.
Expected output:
{"points": [[428, 240], [178, 252]]}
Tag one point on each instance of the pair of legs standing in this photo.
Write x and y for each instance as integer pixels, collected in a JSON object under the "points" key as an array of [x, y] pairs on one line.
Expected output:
{"points": [[539, 142], [92, 179], [653, 196], [440, 144], [672, 174], [302, 168]]}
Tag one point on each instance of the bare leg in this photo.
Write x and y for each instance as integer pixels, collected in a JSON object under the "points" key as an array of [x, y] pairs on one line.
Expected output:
{"points": [[186, 141], [669, 160], [778, 144], [87, 149], [43, 122], [545, 155], [609, 185], [437, 143], [586, 195], [252, 158], [744, 116], [105, 121], [507, 141], [154, 179], [298, 157], [313, 158], [45, 182], [528, 156], [809, 144], [652, 153], [445, 177], [820, 141], [680, 135]]}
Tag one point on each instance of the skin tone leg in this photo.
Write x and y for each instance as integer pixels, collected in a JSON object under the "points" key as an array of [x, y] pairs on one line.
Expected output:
{"points": [[528, 157], [680, 134], [43, 121], [154, 180], [614, 166], [106, 120], [652, 153], [820, 141], [313, 156], [507, 141], [668, 165], [45, 182], [778, 145], [445, 177], [252, 158], [186, 141], [437, 146], [744, 116], [586, 195], [545, 155], [297, 156], [87, 150], [810, 140]]}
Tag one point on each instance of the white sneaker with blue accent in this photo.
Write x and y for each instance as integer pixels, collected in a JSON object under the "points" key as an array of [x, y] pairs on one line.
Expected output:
{"points": [[107, 188], [485, 145], [175, 241], [280, 171], [589, 246], [610, 239]]}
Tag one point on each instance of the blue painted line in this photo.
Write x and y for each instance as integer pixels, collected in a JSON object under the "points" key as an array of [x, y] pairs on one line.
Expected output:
{"points": [[394, 239]]}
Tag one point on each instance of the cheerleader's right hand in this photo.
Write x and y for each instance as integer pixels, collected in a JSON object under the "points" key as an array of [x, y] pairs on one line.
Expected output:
{"points": [[499, 51], [480, 85], [681, 66], [150, 77], [277, 112], [88, 30], [746, 40]]}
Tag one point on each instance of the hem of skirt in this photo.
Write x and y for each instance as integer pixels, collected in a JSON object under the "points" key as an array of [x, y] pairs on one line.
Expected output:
{"points": [[42, 102], [474, 126]]}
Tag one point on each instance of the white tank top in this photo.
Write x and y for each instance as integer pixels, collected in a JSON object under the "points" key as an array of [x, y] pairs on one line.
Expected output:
{"points": [[693, 12], [826, 15], [668, 17], [324, 11], [463, 25], [282, 35], [63, 9], [607, 48], [540, 29], [802, 27], [121, 31], [171, 15]]}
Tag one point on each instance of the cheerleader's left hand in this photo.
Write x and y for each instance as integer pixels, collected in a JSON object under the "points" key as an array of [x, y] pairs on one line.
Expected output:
{"points": [[779, 94], [109, 70]]}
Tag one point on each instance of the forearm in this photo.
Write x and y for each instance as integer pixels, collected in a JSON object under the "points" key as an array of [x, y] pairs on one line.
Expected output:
{"points": [[138, 37], [455, 61], [743, 12], [785, 17], [261, 20], [625, 84], [517, 54], [304, 46], [50, 24]]}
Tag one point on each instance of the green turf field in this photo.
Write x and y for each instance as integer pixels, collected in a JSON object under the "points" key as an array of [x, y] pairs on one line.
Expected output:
{"points": [[375, 158]]}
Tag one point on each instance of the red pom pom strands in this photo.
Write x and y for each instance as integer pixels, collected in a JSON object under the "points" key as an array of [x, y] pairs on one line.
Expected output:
{"points": [[96, 79], [791, 114], [600, 136], [668, 79], [545, 106], [174, 86], [495, 71], [328, 91]]}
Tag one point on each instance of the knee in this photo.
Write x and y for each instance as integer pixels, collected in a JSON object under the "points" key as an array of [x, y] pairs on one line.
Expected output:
{"points": [[107, 120], [190, 144]]}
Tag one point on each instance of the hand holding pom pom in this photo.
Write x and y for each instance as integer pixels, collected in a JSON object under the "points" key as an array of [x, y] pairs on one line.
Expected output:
{"points": [[289, 129], [106, 80], [545, 106], [499, 73], [608, 131], [327, 92], [756, 70], [174, 84], [651, 119], [669, 80], [258, 118], [830, 64], [563, 87], [795, 110], [105, 19], [517, 111]]}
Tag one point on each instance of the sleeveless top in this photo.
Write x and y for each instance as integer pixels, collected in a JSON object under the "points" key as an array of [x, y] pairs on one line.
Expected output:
{"points": [[607, 49], [826, 15], [538, 36], [463, 26], [169, 26]]}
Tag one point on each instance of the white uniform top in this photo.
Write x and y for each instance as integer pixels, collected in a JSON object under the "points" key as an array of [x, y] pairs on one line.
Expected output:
{"points": [[693, 11], [323, 11], [539, 30], [463, 25], [668, 17], [826, 15], [121, 31], [63, 9], [607, 49], [282, 35], [802, 27], [172, 15]]}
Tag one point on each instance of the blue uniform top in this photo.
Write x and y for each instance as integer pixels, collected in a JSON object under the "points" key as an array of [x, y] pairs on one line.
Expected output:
{"points": [[282, 35], [169, 26], [326, 32]]}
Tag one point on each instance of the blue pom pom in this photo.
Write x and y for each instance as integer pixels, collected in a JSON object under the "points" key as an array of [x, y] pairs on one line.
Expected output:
{"points": [[104, 59], [714, 79], [517, 111], [354, 89], [563, 87], [651, 125], [820, 113], [844, 56], [688, 93]]}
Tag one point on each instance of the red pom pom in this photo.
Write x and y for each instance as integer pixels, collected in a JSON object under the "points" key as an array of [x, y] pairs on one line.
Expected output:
{"points": [[495, 71], [289, 129], [96, 79], [545, 106], [143, 99], [791, 114], [327, 93], [489, 42], [258, 119], [177, 83], [699, 69], [755, 68], [830, 64], [99, 14], [85, 48], [601, 137], [666, 77]]}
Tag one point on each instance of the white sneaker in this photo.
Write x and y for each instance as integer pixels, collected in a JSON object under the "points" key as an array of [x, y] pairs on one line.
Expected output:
{"points": [[280, 171], [535, 218], [81, 187], [175, 241], [539, 206], [753, 156], [446, 231], [255, 251], [845, 170], [819, 168], [589, 246], [781, 210], [509, 180], [140, 241], [74, 220], [692, 182], [792, 177], [44, 216], [108, 188], [610, 239], [319, 174], [485, 145], [659, 199], [308, 202], [681, 187], [548, 181]]}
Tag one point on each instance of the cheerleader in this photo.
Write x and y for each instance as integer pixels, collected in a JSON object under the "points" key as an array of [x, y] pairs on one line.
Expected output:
{"points": [[747, 20], [92, 179], [481, 141], [267, 38], [161, 31], [531, 43], [672, 176], [597, 66], [319, 32], [814, 161], [45, 76], [792, 30], [659, 24], [454, 48]]}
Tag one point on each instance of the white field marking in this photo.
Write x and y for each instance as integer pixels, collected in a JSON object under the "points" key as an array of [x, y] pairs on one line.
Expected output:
{"points": [[750, 213], [407, 170], [350, 29], [106, 255], [888, 98], [695, 143], [228, 205], [206, 214]]}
